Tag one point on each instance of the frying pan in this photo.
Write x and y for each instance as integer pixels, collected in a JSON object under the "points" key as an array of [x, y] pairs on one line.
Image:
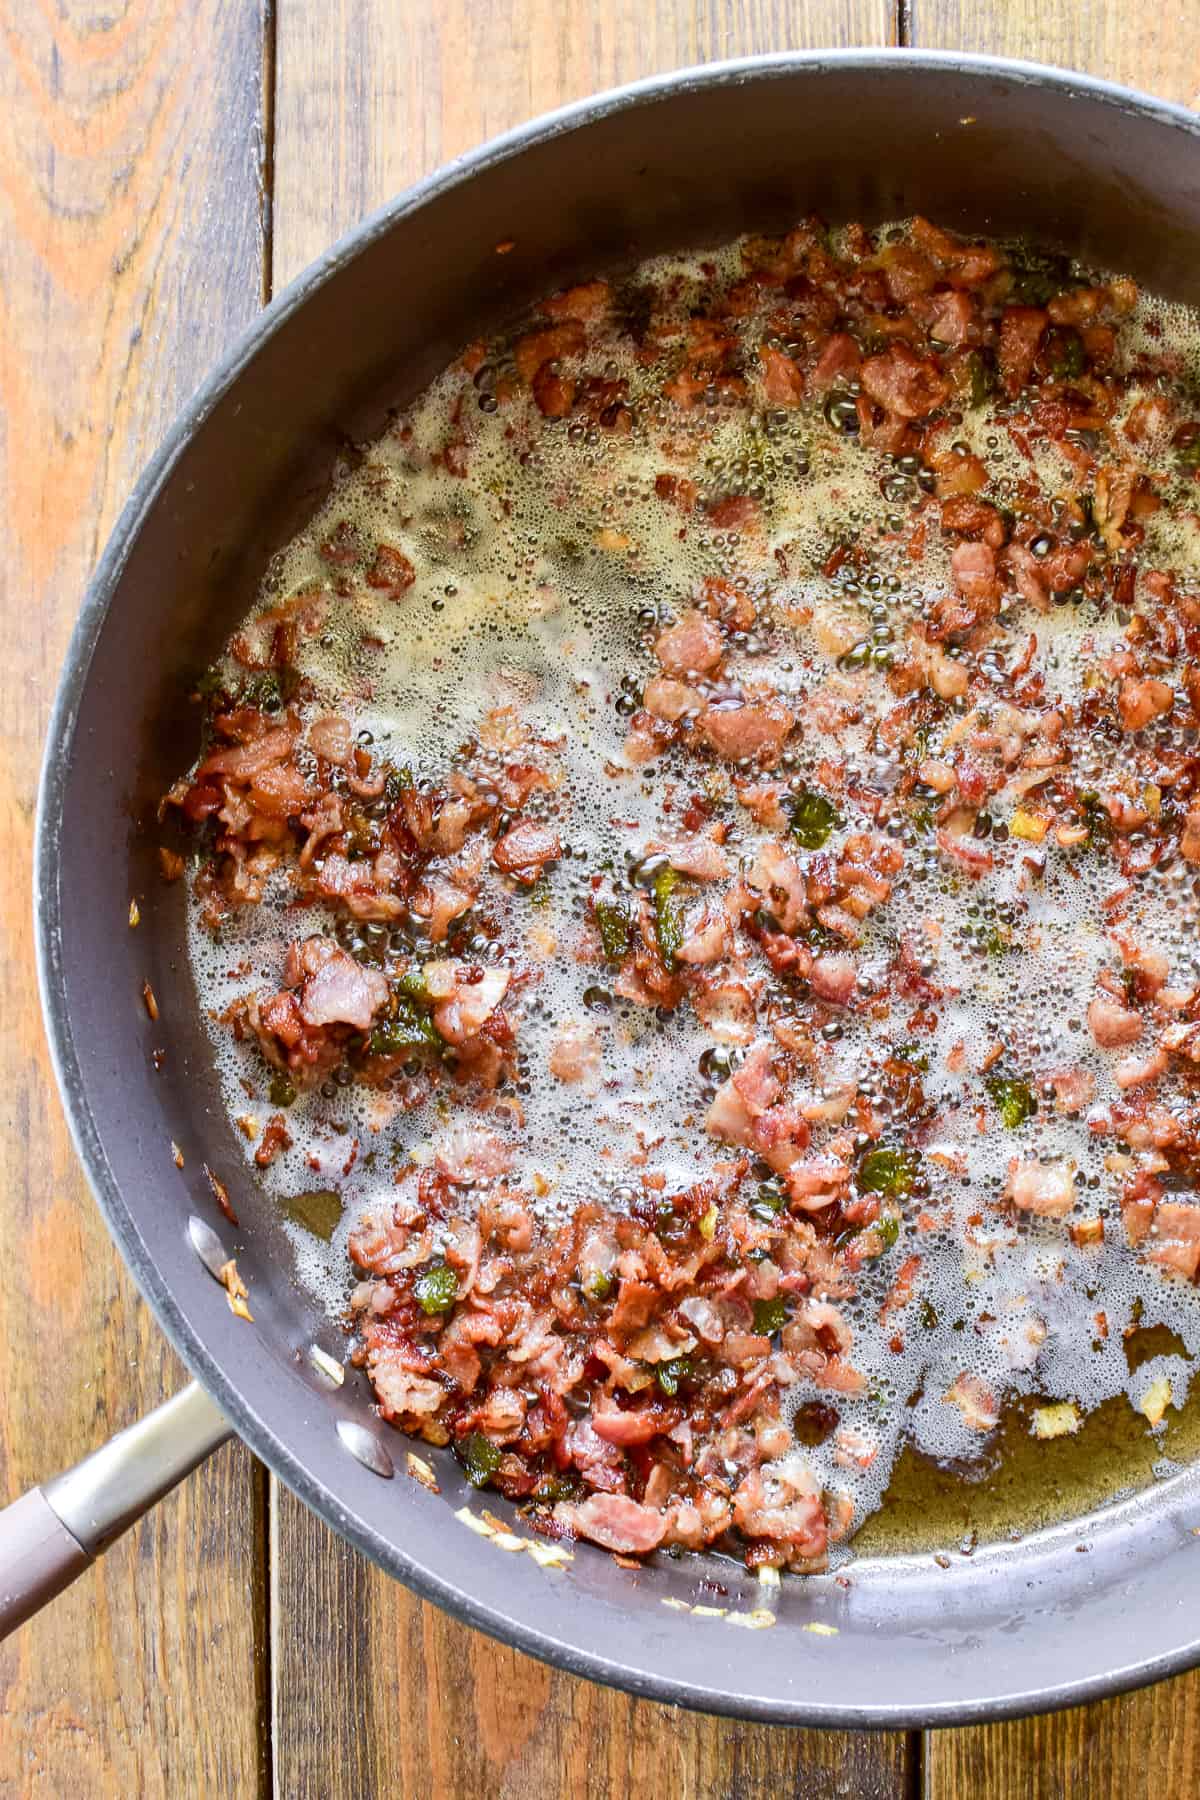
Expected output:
{"points": [[979, 144]]}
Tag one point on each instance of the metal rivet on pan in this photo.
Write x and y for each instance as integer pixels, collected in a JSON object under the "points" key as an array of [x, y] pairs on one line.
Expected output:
{"points": [[208, 1246], [364, 1445]]}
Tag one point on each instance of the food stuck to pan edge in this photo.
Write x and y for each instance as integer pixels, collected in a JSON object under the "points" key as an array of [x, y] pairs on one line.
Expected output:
{"points": [[693, 874]]}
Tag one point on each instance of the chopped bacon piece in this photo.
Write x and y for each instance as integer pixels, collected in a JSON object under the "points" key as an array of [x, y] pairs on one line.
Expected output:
{"points": [[540, 347], [1047, 1189], [526, 849], [1021, 330], [1112, 1024], [1174, 1238], [391, 572], [334, 989], [1143, 700], [692, 646], [615, 1523], [783, 380], [904, 385], [752, 729], [839, 359]]}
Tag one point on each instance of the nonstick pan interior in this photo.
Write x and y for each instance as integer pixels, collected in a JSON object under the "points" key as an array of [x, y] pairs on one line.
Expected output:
{"points": [[985, 146]]}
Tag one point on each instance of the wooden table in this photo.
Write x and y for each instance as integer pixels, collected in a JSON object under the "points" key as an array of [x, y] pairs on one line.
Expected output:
{"points": [[164, 167]]}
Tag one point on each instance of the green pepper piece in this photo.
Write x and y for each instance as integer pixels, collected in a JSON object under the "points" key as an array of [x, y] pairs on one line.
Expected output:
{"points": [[407, 1028], [480, 1458], [436, 1288], [615, 927], [598, 1285], [415, 983], [1067, 359], [282, 1090], [671, 1373], [888, 1227], [668, 915], [813, 817], [890, 1172], [770, 1316], [767, 1204], [395, 783], [1014, 1100], [981, 379]]}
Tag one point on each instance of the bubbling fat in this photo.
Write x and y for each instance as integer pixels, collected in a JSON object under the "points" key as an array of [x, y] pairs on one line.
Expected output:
{"points": [[541, 581]]}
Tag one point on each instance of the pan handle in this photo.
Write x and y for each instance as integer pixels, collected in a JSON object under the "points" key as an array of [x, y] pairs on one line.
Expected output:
{"points": [[53, 1533]]}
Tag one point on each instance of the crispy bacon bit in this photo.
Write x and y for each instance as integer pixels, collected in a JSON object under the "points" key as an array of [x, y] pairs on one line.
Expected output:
{"points": [[220, 1194], [975, 1400], [904, 385], [738, 733], [1141, 701], [526, 849], [1021, 330], [1047, 1189], [691, 647], [1112, 1024], [276, 1137], [614, 1523], [334, 989], [783, 381], [391, 572]]}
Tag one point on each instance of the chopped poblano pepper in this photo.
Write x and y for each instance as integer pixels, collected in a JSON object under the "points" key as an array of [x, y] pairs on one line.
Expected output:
{"points": [[414, 983], [1095, 817], [891, 1172], [767, 1204], [668, 915], [480, 1458], [670, 1374], [614, 925], [436, 1288], [1067, 359], [888, 1227], [395, 783], [1013, 1100], [408, 1028], [282, 1090], [980, 377], [770, 1316], [598, 1285], [1187, 456], [813, 817]]}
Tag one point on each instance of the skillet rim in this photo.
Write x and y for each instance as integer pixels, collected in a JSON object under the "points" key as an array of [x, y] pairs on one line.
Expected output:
{"points": [[261, 1436]]}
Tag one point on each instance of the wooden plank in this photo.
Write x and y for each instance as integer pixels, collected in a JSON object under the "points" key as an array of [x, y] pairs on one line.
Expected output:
{"points": [[1145, 1744], [371, 96], [130, 252], [377, 1693], [1155, 48], [374, 1692]]}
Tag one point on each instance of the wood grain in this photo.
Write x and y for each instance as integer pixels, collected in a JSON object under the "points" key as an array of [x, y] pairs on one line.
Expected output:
{"points": [[377, 1693], [1153, 47], [374, 1692], [1147, 1744], [130, 251], [370, 96]]}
